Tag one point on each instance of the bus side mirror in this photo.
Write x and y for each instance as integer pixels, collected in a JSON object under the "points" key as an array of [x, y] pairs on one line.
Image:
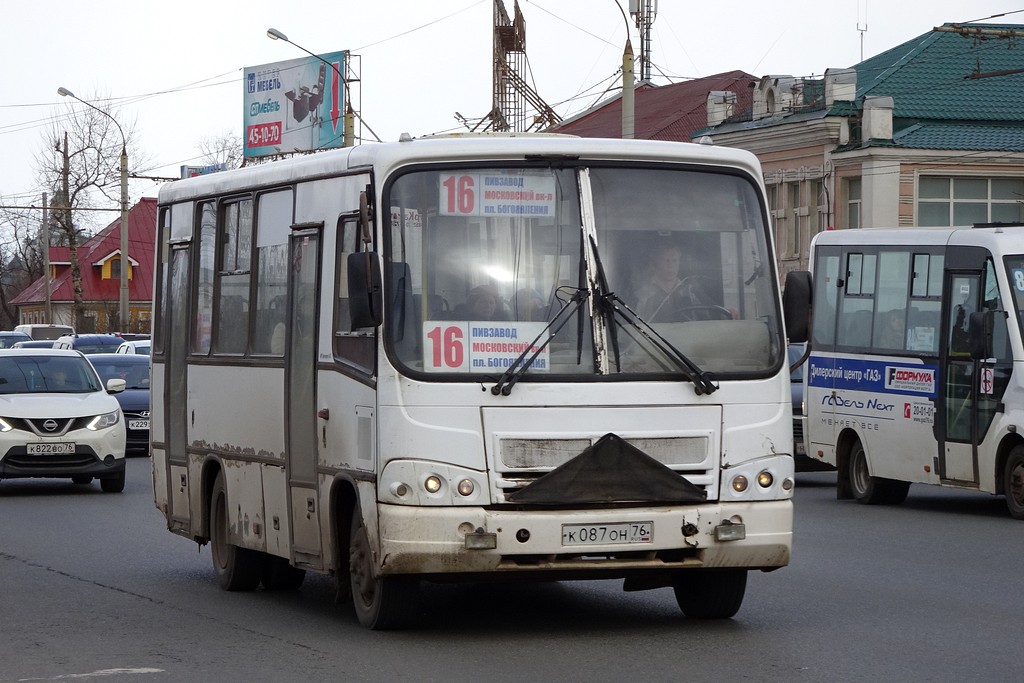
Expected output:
{"points": [[979, 334], [364, 290], [796, 305]]}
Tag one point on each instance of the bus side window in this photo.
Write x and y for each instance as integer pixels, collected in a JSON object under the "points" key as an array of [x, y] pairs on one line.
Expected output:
{"points": [[352, 347]]}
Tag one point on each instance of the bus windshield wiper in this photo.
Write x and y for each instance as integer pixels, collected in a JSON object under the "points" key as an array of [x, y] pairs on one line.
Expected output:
{"points": [[522, 362], [703, 383]]}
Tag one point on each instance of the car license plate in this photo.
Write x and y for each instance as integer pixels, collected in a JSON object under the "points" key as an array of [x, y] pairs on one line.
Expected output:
{"points": [[50, 448], [607, 534], [138, 424]]}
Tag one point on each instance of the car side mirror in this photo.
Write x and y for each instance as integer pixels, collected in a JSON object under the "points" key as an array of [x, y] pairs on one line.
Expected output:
{"points": [[116, 385]]}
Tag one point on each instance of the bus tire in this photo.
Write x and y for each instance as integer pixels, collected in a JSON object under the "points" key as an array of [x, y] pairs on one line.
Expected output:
{"points": [[866, 489], [280, 575], [710, 593], [1013, 482], [381, 603], [238, 569]]}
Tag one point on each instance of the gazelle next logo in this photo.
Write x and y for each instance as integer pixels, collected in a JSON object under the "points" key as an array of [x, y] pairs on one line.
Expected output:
{"points": [[919, 380]]}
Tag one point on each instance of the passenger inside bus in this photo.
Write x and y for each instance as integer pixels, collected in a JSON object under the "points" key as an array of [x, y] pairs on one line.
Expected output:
{"points": [[484, 303]]}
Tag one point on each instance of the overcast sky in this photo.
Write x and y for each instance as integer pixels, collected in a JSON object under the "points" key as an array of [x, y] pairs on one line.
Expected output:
{"points": [[175, 68]]}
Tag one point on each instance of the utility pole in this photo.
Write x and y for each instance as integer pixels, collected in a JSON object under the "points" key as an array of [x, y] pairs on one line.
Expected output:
{"points": [[46, 259]]}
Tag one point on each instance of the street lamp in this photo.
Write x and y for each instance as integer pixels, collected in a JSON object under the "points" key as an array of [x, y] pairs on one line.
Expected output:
{"points": [[274, 34], [628, 94], [123, 309]]}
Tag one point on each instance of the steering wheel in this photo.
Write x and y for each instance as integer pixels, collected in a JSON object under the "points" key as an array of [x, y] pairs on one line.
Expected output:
{"points": [[690, 312]]}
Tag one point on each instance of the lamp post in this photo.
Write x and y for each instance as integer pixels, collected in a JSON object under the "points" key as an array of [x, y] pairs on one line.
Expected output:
{"points": [[628, 94], [350, 113], [123, 311]]}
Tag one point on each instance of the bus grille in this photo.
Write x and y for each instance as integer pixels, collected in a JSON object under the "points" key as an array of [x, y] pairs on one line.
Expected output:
{"points": [[520, 462]]}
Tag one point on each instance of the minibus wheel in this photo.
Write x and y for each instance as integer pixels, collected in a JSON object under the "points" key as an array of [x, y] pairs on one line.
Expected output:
{"points": [[865, 488], [710, 593], [238, 569], [381, 602], [1013, 482]]}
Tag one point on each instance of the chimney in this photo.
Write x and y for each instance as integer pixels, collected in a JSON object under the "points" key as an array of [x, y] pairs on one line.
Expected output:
{"points": [[840, 84], [877, 118], [720, 106]]}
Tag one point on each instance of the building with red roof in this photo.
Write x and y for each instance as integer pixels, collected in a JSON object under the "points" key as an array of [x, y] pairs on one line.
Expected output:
{"points": [[99, 259], [665, 112]]}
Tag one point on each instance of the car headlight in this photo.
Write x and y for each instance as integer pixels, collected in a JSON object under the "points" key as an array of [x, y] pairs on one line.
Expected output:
{"points": [[103, 421], [5, 426]]}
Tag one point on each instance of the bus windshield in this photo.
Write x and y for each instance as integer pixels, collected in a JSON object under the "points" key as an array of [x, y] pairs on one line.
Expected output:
{"points": [[482, 259]]}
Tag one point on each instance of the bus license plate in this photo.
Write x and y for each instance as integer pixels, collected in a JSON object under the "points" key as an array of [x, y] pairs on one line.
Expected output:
{"points": [[607, 534], [138, 424], [50, 448]]}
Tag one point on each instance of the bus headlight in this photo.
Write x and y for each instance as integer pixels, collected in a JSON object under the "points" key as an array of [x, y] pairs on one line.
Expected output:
{"points": [[765, 479], [432, 484], [466, 487], [739, 483]]}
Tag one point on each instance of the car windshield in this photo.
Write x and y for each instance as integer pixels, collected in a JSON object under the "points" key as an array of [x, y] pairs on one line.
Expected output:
{"points": [[481, 260], [135, 375], [25, 374]]}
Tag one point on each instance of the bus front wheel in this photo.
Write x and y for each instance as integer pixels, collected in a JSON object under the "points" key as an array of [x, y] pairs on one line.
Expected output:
{"points": [[238, 569], [1013, 482], [381, 602], [710, 593]]}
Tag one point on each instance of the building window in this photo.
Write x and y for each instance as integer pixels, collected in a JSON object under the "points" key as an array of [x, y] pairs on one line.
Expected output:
{"points": [[853, 203], [793, 227], [946, 201], [820, 197], [115, 269]]}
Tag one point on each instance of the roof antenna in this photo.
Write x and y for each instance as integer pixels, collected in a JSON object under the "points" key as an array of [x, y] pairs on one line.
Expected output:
{"points": [[863, 29]]}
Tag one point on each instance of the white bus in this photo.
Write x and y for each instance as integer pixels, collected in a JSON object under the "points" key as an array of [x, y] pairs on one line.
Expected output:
{"points": [[914, 372], [426, 360]]}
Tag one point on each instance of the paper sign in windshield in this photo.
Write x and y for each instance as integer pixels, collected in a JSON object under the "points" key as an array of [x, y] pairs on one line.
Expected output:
{"points": [[497, 194], [484, 346]]}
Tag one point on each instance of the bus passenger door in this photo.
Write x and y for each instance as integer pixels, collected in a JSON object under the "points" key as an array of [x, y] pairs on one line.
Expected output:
{"points": [[175, 398], [300, 402], [958, 398]]}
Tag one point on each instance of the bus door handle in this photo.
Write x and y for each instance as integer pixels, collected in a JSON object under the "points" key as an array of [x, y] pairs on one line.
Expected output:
{"points": [[324, 413]]}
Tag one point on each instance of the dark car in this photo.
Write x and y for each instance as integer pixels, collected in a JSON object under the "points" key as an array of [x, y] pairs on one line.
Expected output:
{"points": [[33, 344], [9, 339], [134, 400], [89, 343]]}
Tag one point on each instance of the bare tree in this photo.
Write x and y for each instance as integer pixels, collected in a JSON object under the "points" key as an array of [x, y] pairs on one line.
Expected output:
{"points": [[225, 148], [21, 259], [80, 163]]}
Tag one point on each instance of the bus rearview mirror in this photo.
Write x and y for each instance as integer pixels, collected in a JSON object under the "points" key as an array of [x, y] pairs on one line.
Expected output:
{"points": [[364, 290]]}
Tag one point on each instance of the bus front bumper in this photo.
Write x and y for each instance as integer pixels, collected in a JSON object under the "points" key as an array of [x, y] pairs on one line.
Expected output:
{"points": [[433, 540]]}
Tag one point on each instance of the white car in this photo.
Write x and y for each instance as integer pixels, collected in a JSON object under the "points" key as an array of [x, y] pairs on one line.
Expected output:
{"points": [[140, 346], [58, 420]]}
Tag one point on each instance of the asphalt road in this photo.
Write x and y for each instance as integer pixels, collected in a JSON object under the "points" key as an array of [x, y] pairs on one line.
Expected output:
{"points": [[93, 586]]}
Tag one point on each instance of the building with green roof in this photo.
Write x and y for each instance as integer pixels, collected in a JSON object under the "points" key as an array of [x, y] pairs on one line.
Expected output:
{"points": [[930, 132]]}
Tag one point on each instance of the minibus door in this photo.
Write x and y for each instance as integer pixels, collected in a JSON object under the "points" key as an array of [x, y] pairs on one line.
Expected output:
{"points": [[300, 403], [957, 415]]}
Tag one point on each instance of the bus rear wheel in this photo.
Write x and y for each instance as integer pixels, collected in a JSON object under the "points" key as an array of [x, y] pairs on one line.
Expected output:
{"points": [[710, 593], [871, 490], [865, 488], [238, 569], [1013, 482], [381, 602]]}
